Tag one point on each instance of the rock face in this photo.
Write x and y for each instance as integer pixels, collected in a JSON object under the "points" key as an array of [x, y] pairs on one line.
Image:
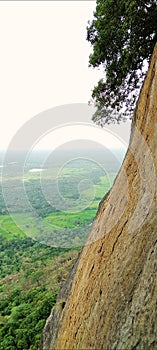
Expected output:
{"points": [[112, 300]]}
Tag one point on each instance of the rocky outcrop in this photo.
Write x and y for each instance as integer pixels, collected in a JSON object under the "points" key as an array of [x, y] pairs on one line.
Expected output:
{"points": [[112, 299]]}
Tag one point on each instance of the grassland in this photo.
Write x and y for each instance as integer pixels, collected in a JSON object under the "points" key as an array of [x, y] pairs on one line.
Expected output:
{"points": [[71, 220], [53, 226], [39, 244], [8, 228]]}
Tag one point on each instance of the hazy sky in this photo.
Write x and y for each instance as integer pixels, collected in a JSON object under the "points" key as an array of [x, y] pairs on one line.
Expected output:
{"points": [[43, 59]]}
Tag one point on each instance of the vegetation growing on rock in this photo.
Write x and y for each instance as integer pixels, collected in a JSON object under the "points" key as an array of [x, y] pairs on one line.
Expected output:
{"points": [[123, 35]]}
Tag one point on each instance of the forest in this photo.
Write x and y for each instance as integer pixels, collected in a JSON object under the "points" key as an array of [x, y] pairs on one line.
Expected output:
{"points": [[39, 244]]}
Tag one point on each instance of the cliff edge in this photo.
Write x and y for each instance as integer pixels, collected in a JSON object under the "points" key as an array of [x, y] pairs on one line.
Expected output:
{"points": [[112, 300]]}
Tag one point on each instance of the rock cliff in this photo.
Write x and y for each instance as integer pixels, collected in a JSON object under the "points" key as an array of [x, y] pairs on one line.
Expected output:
{"points": [[112, 299]]}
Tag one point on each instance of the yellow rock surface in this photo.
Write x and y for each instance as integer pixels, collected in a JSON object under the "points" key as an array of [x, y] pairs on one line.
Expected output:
{"points": [[112, 301]]}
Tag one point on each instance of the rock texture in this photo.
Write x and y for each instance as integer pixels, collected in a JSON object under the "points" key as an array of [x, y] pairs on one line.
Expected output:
{"points": [[112, 300]]}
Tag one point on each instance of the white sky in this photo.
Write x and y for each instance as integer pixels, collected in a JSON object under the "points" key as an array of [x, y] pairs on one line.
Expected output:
{"points": [[43, 59]]}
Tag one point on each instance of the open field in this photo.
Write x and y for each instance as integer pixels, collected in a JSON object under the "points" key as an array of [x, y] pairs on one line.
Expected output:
{"points": [[44, 221], [71, 220], [54, 203], [45, 217]]}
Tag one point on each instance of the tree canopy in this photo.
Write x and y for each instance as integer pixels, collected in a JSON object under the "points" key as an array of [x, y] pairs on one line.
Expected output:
{"points": [[123, 35]]}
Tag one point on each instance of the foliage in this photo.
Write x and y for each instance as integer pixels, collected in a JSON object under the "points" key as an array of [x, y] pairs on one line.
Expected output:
{"points": [[123, 35], [30, 277], [45, 219], [31, 273]]}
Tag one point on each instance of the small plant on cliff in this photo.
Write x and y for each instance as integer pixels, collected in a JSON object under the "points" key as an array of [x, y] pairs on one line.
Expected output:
{"points": [[123, 35]]}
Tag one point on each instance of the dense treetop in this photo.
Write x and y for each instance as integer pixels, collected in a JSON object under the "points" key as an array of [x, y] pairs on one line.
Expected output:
{"points": [[123, 35]]}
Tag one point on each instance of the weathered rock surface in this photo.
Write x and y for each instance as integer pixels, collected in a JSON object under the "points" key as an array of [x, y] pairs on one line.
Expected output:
{"points": [[112, 298]]}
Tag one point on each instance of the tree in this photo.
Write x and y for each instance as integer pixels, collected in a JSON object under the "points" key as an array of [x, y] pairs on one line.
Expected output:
{"points": [[123, 35]]}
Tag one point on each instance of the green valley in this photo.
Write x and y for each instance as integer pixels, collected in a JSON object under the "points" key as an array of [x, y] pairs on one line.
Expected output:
{"points": [[45, 217]]}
